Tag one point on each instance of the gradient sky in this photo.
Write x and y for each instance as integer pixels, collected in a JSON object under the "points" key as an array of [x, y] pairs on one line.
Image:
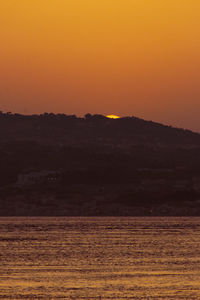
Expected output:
{"points": [[126, 57]]}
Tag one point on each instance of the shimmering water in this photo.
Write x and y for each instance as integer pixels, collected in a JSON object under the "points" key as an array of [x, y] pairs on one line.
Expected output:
{"points": [[100, 258]]}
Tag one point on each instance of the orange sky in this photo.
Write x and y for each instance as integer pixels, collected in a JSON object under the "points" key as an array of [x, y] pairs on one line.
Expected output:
{"points": [[127, 57]]}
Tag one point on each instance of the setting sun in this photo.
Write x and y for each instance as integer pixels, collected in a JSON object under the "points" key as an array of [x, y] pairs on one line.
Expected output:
{"points": [[112, 117]]}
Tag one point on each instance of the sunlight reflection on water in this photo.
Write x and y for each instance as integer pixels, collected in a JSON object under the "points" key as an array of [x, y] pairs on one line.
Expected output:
{"points": [[99, 258]]}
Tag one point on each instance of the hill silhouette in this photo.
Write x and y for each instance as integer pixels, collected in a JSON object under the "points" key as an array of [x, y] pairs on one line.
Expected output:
{"points": [[56, 164], [91, 126]]}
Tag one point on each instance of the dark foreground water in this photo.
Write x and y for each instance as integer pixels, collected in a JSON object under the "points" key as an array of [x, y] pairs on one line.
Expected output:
{"points": [[100, 258]]}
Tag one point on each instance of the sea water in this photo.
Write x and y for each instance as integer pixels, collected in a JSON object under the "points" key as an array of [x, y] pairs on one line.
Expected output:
{"points": [[100, 258]]}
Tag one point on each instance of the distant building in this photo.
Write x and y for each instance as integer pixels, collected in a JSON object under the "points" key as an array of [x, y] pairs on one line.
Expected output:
{"points": [[26, 179]]}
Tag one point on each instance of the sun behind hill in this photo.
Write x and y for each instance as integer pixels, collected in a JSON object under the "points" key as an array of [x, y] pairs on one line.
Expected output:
{"points": [[112, 117]]}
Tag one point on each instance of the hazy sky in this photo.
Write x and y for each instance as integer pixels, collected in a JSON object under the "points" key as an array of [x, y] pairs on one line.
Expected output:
{"points": [[128, 57]]}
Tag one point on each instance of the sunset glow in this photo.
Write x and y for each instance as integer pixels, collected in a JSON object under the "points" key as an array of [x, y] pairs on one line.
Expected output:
{"points": [[99, 149], [135, 57], [113, 117]]}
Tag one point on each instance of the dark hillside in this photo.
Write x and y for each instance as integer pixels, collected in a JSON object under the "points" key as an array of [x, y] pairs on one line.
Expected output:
{"points": [[64, 165], [93, 127]]}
